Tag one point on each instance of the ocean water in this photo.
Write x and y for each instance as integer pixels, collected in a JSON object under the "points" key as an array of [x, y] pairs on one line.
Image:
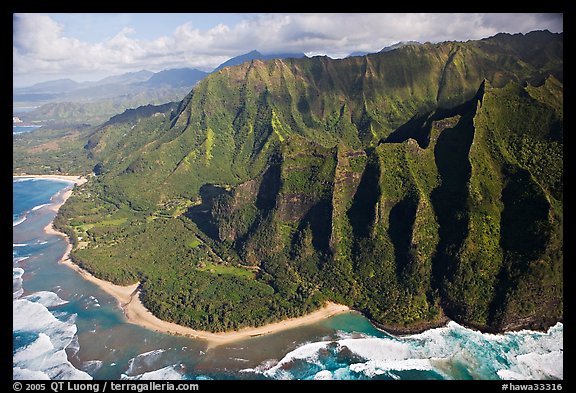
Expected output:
{"points": [[23, 129], [67, 328]]}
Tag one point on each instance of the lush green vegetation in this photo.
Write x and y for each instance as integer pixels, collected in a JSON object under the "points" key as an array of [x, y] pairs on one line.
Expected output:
{"points": [[48, 150], [410, 184]]}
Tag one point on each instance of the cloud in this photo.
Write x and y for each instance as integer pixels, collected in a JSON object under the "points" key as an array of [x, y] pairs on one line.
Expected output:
{"points": [[40, 46]]}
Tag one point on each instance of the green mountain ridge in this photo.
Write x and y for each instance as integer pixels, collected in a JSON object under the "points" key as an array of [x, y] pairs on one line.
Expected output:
{"points": [[411, 185]]}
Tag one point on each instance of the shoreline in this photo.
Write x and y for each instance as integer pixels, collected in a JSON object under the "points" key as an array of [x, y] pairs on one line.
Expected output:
{"points": [[78, 180], [128, 297], [137, 313]]}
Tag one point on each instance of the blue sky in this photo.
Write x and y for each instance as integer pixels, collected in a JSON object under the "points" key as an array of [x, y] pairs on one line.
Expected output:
{"points": [[92, 46], [94, 28]]}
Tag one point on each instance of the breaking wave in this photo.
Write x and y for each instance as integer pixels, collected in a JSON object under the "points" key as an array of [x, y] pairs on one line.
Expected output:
{"points": [[46, 298], [451, 352], [18, 221], [165, 373], [42, 339]]}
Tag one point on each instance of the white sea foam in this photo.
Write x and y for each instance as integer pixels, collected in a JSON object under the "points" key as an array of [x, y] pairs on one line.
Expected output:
{"points": [[373, 368], [20, 244], [323, 375], [239, 359], [91, 366], [40, 348], [17, 289], [22, 179], [18, 222], [40, 206], [19, 259], [41, 356], [547, 364], [510, 375], [341, 335], [144, 360], [46, 298], [535, 366], [307, 352], [17, 293], [374, 348], [165, 373], [47, 353], [74, 346], [90, 302], [17, 272], [262, 367], [519, 355], [25, 374]]}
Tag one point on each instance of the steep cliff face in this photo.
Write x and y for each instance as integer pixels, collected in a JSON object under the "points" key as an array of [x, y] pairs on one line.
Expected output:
{"points": [[464, 224], [230, 126], [409, 184]]}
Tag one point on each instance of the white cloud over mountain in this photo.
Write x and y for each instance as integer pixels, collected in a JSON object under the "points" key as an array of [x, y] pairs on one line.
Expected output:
{"points": [[41, 47]]}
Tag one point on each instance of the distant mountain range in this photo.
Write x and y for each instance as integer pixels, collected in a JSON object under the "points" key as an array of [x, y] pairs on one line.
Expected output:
{"points": [[65, 101], [50, 87], [68, 101], [67, 89], [178, 77], [125, 79], [181, 77]]}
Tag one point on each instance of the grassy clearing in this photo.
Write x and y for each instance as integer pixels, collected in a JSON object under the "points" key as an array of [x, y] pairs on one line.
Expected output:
{"points": [[194, 243], [227, 270]]}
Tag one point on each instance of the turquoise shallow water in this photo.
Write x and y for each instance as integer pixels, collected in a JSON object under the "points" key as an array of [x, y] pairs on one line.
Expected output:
{"points": [[65, 327]]}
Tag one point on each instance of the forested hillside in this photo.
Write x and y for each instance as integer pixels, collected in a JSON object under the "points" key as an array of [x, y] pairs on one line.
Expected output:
{"points": [[411, 184]]}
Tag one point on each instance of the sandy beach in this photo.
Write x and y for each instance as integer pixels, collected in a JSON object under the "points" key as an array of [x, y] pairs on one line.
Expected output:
{"points": [[137, 313], [128, 297], [78, 180]]}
